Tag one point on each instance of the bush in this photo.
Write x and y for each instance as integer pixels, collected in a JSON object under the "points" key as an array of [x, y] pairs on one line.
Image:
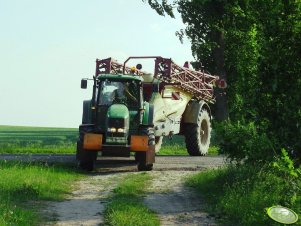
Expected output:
{"points": [[244, 141], [239, 195]]}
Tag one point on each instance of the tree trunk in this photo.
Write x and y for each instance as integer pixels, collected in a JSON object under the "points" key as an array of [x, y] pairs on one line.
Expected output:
{"points": [[220, 109]]}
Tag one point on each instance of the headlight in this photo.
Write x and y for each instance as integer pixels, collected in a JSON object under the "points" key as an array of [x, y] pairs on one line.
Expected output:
{"points": [[120, 130], [112, 130]]}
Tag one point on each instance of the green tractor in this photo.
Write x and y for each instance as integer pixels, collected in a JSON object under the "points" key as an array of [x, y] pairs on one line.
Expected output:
{"points": [[131, 111]]}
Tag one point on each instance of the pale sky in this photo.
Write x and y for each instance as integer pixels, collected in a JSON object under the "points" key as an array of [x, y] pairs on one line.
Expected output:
{"points": [[47, 46]]}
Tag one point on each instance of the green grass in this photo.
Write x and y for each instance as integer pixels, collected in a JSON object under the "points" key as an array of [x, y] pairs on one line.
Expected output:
{"points": [[43, 140], [176, 146], [239, 195], [126, 207], [37, 140], [24, 184]]}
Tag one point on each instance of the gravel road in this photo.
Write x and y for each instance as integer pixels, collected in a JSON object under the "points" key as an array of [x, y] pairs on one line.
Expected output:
{"points": [[174, 203], [109, 164]]}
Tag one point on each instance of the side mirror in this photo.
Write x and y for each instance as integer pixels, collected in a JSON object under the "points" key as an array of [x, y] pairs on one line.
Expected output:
{"points": [[83, 84]]}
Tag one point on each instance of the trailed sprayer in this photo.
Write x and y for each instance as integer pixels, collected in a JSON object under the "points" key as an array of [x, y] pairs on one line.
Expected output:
{"points": [[131, 111]]}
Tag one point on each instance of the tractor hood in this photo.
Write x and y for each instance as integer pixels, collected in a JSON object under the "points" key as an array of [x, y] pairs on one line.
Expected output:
{"points": [[118, 119], [119, 111]]}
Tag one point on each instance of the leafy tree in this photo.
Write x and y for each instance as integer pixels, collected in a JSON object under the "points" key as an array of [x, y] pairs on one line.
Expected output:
{"points": [[257, 45]]}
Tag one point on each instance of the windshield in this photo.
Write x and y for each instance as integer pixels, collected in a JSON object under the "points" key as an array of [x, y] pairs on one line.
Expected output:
{"points": [[119, 92]]}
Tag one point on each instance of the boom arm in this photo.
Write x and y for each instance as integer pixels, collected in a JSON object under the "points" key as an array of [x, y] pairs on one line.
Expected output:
{"points": [[197, 83]]}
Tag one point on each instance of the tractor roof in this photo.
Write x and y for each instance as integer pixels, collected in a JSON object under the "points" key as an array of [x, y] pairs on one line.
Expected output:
{"points": [[120, 77]]}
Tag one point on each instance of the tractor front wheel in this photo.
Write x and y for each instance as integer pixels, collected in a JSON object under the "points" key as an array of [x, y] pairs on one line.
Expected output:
{"points": [[142, 165], [142, 157], [86, 158]]}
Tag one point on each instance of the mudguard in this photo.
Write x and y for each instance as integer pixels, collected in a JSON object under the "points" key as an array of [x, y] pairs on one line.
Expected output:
{"points": [[148, 114], [87, 112], [83, 129], [193, 108]]}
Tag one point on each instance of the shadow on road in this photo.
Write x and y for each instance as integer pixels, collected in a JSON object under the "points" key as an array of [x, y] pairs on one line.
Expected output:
{"points": [[111, 165]]}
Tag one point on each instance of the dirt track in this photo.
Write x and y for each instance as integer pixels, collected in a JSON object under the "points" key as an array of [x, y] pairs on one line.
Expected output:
{"points": [[174, 203]]}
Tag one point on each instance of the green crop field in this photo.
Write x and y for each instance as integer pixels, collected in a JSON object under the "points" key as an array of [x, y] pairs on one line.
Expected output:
{"points": [[43, 140], [20, 139]]}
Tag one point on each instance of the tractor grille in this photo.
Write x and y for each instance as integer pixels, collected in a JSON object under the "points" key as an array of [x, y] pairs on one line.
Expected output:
{"points": [[116, 122]]}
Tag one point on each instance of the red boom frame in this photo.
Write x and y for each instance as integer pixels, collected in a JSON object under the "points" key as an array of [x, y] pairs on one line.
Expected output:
{"points": [[197, 83]]}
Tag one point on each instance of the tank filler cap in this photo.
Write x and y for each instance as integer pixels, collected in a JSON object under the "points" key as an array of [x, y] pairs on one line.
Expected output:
{"points": [[139, 66]]}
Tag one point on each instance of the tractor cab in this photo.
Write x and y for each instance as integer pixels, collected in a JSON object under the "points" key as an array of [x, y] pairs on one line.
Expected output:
{"points": [[119, 91]]}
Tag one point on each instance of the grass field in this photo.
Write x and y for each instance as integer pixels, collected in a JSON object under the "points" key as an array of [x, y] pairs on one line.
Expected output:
{"points": [[24, 185], [41, 140], [19, 139]]}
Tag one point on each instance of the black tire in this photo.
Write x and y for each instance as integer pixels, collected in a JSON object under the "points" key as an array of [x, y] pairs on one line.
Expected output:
{"points": [[197, 136], [87, 162], [145, 167], [140, 157]]}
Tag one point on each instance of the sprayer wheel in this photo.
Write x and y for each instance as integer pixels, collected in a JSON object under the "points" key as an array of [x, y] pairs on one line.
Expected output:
{"points": [[197, 136]]}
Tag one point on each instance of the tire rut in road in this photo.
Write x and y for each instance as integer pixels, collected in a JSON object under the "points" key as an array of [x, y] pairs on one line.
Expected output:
{"points": [[174, 203]]}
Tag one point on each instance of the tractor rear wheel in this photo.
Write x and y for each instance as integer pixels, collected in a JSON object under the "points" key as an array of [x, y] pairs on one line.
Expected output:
{"points": [[197, 136], [141, 157]]}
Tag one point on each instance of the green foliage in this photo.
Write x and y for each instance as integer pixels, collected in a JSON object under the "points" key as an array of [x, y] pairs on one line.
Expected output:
{"points": [[162, 8], [286, 165], [25, 183], [240, 195], [126, 206], [270, 92], [245, 141], [257, 45]]}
